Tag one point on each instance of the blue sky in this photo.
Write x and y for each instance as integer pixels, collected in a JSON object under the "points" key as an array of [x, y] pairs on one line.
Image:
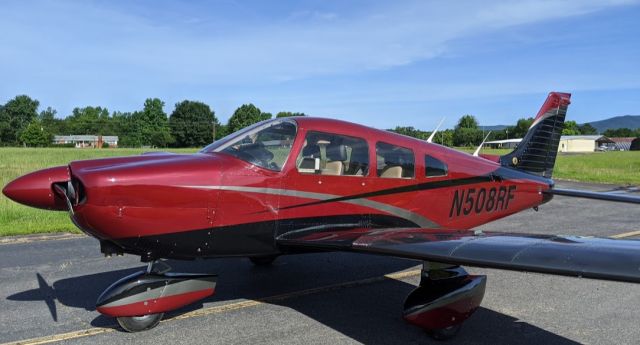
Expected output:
{"points": [[381, 63]]}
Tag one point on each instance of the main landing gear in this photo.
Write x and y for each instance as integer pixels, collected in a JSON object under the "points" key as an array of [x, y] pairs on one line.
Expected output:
{"points": [[446, 297], [140, 300]]}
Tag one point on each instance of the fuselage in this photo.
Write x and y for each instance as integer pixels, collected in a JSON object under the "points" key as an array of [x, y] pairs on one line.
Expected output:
{"points": [[298, 174]]}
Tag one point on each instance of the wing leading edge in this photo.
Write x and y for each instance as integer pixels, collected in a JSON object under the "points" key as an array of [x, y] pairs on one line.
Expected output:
{"points": [[589, 257]]}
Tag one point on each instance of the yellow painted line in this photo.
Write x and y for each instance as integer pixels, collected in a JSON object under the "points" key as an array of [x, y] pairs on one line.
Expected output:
{"points": [[627, 234], [223, 308], [39, 238], [62, 336]]}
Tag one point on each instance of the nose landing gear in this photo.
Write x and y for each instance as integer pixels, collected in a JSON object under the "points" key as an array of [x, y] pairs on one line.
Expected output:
{"points": [[139, 301]]}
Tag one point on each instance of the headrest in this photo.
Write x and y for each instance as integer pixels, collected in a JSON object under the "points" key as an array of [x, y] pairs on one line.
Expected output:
{"points": [[337, 153], [311, 151]]}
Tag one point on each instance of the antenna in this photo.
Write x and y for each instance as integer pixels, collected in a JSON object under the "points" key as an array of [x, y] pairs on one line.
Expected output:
{"points": [[482, 143], [433, 134]]}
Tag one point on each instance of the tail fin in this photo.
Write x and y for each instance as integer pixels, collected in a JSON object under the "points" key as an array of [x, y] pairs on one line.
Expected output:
{"points": [[537, 151]]}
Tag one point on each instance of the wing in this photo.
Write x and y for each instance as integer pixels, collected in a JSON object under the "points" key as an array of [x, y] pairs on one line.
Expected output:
{"points": [[590, 257]]}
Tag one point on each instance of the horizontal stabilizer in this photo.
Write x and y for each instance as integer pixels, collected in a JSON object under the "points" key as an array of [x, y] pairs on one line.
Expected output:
{"points": [[589, 257], [609, 196]]}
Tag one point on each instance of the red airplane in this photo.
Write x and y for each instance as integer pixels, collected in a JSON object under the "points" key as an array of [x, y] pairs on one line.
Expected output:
{"points": [[304, 184]]}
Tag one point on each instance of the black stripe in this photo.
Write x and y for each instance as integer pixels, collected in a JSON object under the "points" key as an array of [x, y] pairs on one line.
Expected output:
{"points": [[499, 174], [398, 190]]}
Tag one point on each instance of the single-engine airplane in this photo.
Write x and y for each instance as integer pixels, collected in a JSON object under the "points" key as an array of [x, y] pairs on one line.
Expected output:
{"points": [[304, 184]]}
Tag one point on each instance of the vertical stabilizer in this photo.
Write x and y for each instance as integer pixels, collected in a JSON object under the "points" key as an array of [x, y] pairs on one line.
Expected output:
{"points": [[537, 151]]}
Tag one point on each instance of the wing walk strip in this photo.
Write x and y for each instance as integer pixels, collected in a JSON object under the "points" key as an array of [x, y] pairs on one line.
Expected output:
{"points": [[224, 308]]}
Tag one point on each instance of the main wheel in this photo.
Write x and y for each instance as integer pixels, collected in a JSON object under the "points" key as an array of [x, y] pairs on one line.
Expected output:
{"points": [[444, 333], [139, 323], [262, 260]]}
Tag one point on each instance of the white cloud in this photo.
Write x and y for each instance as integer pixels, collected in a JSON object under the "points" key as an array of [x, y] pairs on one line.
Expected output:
{"points": [[80, 39]]}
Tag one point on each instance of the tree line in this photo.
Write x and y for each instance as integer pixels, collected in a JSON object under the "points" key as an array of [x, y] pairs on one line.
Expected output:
{"points": [[191, 124], [194, 124], [468, 132]]}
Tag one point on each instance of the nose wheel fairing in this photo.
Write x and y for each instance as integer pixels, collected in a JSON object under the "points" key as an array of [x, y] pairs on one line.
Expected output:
{"points": [[146, 293]]}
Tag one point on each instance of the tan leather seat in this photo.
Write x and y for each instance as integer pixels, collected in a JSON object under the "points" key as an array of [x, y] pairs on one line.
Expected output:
{"points": [[392, 172], [333, 168], [336, 156]]}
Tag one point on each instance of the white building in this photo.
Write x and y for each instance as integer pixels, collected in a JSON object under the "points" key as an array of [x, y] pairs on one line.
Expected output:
{"points": [[504, 144], [568, 143], [583, 143], [86, 140]]}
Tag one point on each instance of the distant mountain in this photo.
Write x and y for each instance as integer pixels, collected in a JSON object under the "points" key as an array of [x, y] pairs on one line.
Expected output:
{"points": [[626, 121], [493, 128]]}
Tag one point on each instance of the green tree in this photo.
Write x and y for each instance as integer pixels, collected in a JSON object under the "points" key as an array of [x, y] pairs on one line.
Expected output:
{"points": [[467, 121], [221, 130], [587, 129], [35, 135], [521, 128], [288, 114], [89, 121], [4, 126], [15, 116], [153, 124], [48, 117], [128, 129], [466, 132], [570, 128], [245, 115], [622, 133], [51, 124], [444, 137], [192, 124], [411, 132]]}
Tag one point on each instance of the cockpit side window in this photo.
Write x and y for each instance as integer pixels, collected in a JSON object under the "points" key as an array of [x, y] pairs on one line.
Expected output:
{"points": [[434, 167], [333, 154], [267, 146], [394, 161]]}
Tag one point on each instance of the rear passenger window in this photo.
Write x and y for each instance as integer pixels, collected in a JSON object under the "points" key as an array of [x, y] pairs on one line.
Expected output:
{"points": [[434, 167], [394, 161], [333, 154]]}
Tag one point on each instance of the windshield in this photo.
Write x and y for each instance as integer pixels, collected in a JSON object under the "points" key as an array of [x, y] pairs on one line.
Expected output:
{"points": [[266, 144]]}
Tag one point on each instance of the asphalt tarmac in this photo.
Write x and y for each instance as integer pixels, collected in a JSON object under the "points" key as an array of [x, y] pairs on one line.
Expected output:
{"points": [[48, 288]]}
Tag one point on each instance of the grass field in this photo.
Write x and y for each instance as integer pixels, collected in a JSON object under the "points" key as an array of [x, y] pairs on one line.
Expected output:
{"points": [[614, 167], [605, 167]]}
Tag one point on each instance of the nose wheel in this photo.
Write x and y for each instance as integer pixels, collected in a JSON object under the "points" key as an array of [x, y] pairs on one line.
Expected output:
{"points": [[139, 323]]}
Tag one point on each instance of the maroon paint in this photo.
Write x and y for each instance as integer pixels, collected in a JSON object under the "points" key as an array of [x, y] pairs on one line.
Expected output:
{"points": [[35, 189], [451, 314]]}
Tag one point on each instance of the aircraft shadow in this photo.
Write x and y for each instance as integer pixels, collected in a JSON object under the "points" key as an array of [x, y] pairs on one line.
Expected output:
{"points": [[370, 313]]}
